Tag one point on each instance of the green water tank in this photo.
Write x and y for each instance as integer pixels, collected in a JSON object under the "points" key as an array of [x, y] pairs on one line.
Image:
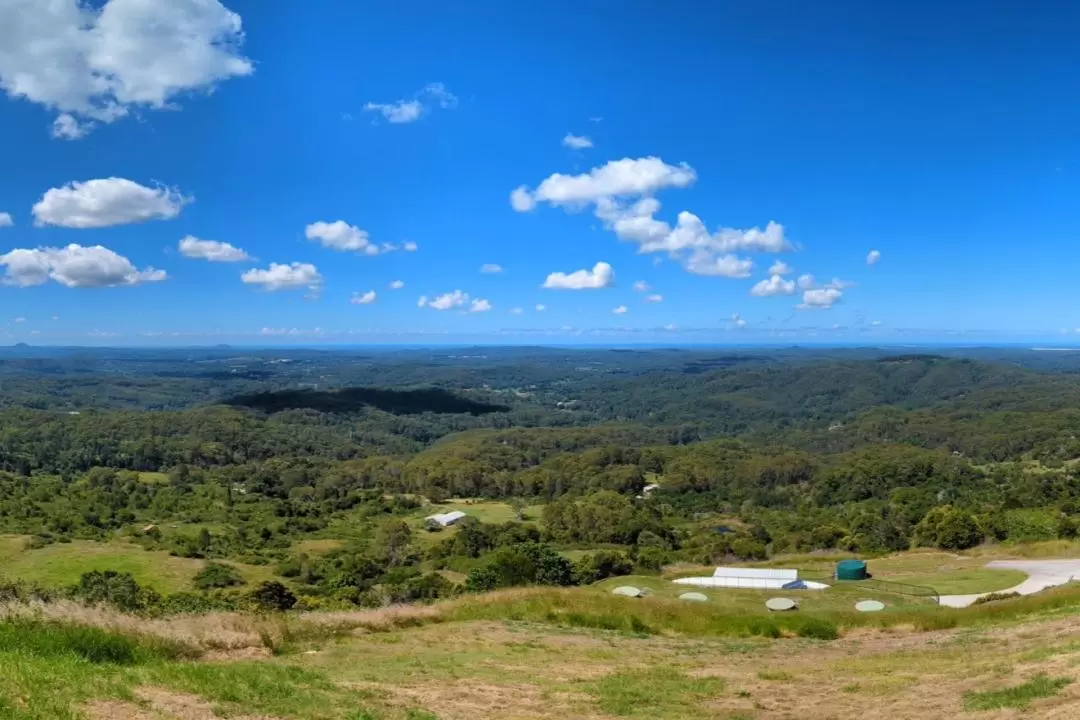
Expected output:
{"points": [[851, 570]]}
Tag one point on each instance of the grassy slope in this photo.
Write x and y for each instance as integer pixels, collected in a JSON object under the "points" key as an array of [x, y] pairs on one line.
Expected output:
{"points": [[62, 564], [520, 665]]}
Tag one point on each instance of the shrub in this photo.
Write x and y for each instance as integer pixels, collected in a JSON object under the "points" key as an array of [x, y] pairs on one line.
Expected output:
{"points": [[113, 588], [217, 575], [272, 595]]}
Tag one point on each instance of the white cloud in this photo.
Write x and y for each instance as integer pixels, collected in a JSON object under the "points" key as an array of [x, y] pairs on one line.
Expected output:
{"points": [[774, 285], [621, 310], [601, 276], [402, 111], [731, 266], [293, 276], [362, 298], [516, 311], [74, 266], [641, 286], [491, 269], [438, 93], [522, 200], [781, 268], [820, 298], [738, 320], [407, 111], [422, 301], [410, 246], [450, 300], [541, 308], [872, 257], [577, 142], [671, 327], [105, 202], [97, 65], [875, 323], [654, 298], [612, 189], [6, 220], [19, 319], [805, 282], [617, 178], [397, 284], [211, 250], [55, 317], [838, 284], [479, 305], [339, 235], [67, 127]]}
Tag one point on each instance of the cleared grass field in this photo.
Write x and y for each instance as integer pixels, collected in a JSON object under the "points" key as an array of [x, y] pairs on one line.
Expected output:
{"points": [[62, 564], [513, 655]]}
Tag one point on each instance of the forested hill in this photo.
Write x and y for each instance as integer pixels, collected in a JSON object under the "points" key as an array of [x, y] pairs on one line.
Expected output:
{"points": [[260, 457]]}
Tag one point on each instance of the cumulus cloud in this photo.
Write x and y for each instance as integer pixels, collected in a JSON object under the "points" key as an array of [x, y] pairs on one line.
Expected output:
{"points": [[601, 276], [491, 269], [654, 298], [6, 220], [19, 319], [621, 310], [522, 200], [773, 285], [820, 298], [541, 308], [838, 284], [617, 178], [577, 142], [805, 282], [781, 268], [622, 195], [516, 311], [74, 266], [731, 266], [105, 202], [397, 284], [362, 298], [410, 246], [453, 300], [211, 250], [872, 257], [875, 323], [641, 286], [67, 127], [99, 64], [339, 235], [738, 320], [278, 276], [407, 111]]}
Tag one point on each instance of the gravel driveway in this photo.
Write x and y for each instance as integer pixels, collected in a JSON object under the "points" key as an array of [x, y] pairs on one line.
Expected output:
{"points": [[1041, 575]]}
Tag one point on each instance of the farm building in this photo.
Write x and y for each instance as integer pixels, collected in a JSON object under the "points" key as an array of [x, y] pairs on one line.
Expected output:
{"points": [[753, 578], [442, 520]]}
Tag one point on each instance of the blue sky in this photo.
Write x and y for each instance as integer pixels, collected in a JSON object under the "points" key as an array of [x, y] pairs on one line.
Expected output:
{"points": [[332, 134]]}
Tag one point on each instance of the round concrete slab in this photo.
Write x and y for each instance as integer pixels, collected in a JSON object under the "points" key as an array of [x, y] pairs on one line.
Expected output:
{"points": [[781, 604], [627, 591], [869, 606], [694, 597]]}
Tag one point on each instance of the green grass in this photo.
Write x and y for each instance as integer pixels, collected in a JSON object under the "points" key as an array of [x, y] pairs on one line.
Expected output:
{"points": [[653, 693], [963, 582], [1018, 696], [61, 564]]}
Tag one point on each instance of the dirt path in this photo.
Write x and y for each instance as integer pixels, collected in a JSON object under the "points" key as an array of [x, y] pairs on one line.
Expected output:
{"points": [[1042, 574]]}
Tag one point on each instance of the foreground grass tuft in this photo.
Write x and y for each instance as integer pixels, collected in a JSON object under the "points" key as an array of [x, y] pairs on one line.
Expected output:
{"points": [[661, 692], [1018, 696], [51, 640]]}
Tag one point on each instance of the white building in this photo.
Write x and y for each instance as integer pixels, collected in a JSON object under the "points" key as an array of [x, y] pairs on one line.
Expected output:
{"points": [[444, 519]]}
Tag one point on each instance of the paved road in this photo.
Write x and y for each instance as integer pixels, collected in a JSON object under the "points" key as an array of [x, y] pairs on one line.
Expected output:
{"points": [[1041, 575]]}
